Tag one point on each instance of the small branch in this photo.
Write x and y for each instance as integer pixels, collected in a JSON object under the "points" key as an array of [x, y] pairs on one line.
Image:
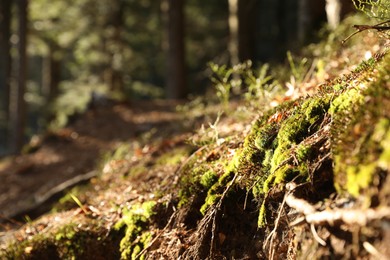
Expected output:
{"points": [[316, 236], [347, 216], [363, 27], [373, 251], [216, 209], [156, 237]]}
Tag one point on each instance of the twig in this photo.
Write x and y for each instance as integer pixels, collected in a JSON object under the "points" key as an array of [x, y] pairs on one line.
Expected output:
{"points": [[316, 236], [347, 216], [216, 209], [373, 251], [270, 238], [158, 235], [361, 28]]}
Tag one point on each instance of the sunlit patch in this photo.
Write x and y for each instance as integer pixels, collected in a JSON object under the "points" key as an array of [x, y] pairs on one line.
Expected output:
{"points": [[367, 55]]}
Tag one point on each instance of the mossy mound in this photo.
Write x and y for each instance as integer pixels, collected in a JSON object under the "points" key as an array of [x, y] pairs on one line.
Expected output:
{"points": [[67, 236], [334, 141]]}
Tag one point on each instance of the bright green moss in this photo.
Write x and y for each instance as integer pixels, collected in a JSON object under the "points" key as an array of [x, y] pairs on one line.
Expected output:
{"points": [[303, 152], [173, 157], [135, 220], [384, 159], [208, 179], [382, 135], [297, 127], [346, 101], [360, 130], [267, 160], [197, 181], [215, 192], [266, 136], [281, 154], [262, 221], [359, 177]]}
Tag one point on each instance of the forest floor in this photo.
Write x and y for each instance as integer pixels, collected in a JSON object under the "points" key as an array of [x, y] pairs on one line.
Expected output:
{"points": [[32, 181], [306, 178]]}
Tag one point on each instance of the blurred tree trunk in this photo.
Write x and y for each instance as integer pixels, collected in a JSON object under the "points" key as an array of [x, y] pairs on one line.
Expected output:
{"points": [[333, 12], [18, 106], [246, 29], [176, 68], [51, 71], [115, 77], [233, 32], [5, 69], [304, 17]]}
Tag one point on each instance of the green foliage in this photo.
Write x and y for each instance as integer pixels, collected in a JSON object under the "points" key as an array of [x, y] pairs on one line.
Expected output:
{"points": [[298, 68], [242, 79], [73, 100], [374, 8], [209, 135]]}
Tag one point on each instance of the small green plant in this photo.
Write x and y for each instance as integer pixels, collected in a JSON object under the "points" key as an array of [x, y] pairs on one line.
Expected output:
{"points": [[208, 135], [78, 202], [260, 83], [374, 8], [242, 79], [223, 81], [298, 68]]}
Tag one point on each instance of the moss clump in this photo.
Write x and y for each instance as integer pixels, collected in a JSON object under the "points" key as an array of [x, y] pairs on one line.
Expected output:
{"points": [[135, 220], [216, 191], [174, 157], [345, 102], [196, 182], [208, 179], [38, 245], [304, 152], [72, 240], [304, 121], [383, 134], [360, 132], [266, 158]]}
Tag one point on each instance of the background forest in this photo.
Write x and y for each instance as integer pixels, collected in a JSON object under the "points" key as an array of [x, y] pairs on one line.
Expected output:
{"points": [[58, 56]]}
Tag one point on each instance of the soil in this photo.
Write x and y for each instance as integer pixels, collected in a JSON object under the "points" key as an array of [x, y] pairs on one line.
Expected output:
{"points": [[28, 180]]}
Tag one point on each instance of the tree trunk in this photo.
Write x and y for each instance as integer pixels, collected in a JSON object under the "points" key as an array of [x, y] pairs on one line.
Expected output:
{"points": [[304, 18], [175, 78], [18, 107], [5, 70], [51, 73], [233, 32], [116, 77], [333, 12], [246, 29]]}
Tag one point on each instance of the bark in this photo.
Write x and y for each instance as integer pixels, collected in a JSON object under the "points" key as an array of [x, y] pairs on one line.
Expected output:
{"points": [[115, 74], [176, 76], [5, 70], [18, 107], [304, 17], [246, 29], [333, 12], [51, 73], [233, 30]]}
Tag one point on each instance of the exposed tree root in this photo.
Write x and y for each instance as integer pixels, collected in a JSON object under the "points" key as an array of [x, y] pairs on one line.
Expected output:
{"points": [[334, 217]]}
